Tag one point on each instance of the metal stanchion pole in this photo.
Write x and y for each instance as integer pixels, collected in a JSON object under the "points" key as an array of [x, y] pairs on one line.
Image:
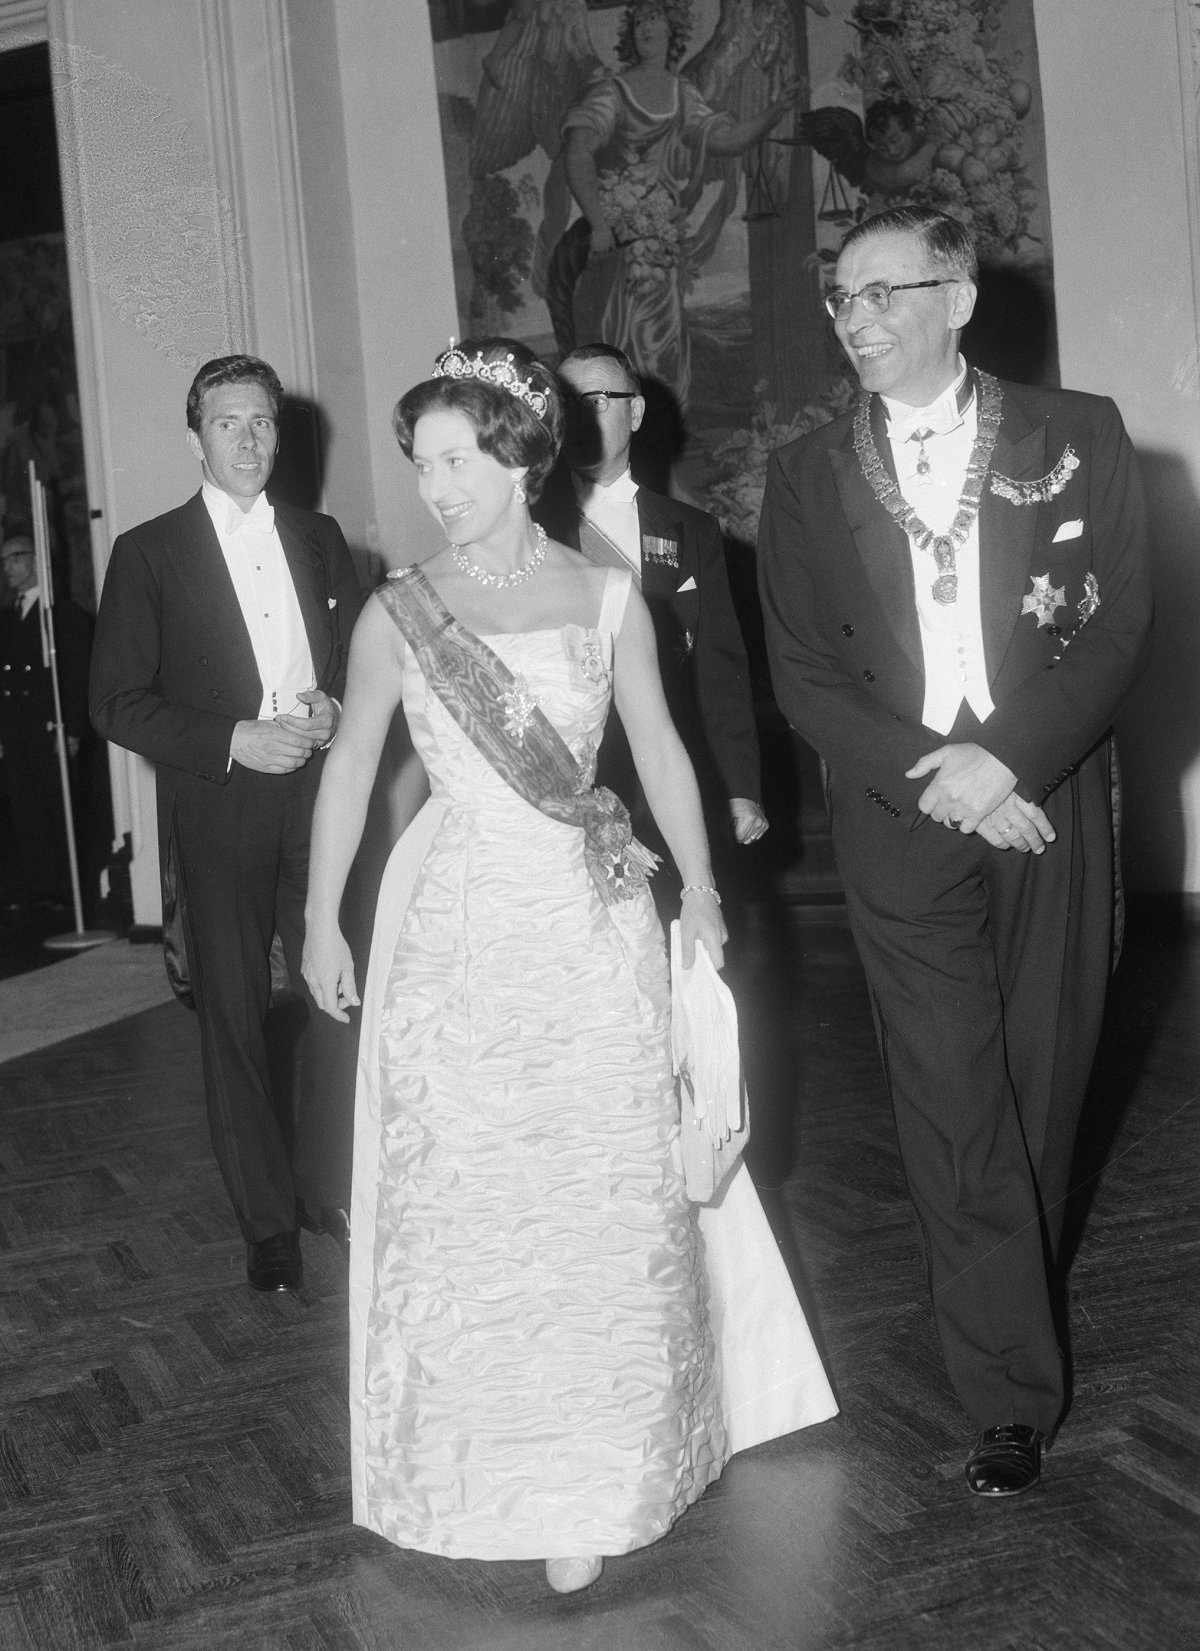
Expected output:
{"points": [[81, 938]]}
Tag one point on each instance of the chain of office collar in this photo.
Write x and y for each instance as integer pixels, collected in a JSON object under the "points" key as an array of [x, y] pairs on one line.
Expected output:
{"points": [[944, 547]]}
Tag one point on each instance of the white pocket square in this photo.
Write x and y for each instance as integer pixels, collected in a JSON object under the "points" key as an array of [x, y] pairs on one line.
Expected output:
{"points": [[332, 601], [1068, 530], [688, 584]]}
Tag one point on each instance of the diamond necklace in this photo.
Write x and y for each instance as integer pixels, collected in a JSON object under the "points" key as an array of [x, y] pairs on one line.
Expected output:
{"points": [[943, 548], [503, 581]]}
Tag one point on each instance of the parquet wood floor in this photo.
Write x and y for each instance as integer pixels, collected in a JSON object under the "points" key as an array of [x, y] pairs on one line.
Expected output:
{"points": [[173, 1448]]}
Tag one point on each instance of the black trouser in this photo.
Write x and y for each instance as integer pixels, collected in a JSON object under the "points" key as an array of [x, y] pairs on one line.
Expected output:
{"points": [[242, 855], [987, 970], [35, 805]]}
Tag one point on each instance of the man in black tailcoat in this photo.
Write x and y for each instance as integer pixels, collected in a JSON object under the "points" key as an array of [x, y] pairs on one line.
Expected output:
{"points": [[220, 654], [956, 603], [677, 557]]}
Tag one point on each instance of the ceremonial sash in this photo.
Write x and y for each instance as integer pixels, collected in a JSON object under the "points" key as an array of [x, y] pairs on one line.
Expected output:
{"points": [[600, 549], [495, 712]]}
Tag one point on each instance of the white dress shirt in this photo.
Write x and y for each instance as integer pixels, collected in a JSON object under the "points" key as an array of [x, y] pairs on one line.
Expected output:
{"points": [[262, 582], [613, 511], [29, 599], [952, 633]]}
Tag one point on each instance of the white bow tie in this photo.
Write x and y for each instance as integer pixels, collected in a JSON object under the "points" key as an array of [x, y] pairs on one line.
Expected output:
{"points": [[260, 518], [622, 491], [937, 420]]}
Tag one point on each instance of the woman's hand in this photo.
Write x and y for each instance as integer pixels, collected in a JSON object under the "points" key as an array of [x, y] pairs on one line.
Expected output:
{"points": [[328, 969], [700, 919]]}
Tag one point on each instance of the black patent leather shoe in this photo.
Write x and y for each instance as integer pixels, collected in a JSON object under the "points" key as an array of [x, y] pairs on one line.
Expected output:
{"points": [[274, 1263], [1005, 1461]]}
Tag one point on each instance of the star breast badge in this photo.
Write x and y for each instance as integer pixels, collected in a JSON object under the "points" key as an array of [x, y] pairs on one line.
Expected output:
{"points": [[1044, 599]]}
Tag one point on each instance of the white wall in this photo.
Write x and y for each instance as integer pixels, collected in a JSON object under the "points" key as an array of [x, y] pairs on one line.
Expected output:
{"points": [[378, 247], [405, 283], [1120, 122]]}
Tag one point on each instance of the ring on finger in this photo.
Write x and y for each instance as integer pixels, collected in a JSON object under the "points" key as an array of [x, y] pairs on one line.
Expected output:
{"points": [[955, 825]]}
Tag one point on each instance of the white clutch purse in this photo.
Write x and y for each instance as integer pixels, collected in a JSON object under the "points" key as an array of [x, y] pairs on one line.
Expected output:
{"points": [[714, 1123]]}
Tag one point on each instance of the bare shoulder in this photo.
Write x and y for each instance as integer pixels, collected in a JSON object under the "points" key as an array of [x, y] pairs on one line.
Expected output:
{"points": [[572, 564], [565, 559], [438, 569], [376, 629]]}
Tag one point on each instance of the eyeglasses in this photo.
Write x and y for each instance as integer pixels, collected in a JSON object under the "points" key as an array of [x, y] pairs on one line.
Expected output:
{"points": [[876, 295], [599, 399], [17, 556]]}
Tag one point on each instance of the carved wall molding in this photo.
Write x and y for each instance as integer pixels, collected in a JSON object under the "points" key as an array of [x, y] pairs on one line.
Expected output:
{"points": [[1192, 20], [22, 23], [1187, 17], [287, 165], [227, 162], [157, 226], [256, 107]]}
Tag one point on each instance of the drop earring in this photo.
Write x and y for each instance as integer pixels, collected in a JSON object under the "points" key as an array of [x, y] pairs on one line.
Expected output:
{"points": [[519, 493]]}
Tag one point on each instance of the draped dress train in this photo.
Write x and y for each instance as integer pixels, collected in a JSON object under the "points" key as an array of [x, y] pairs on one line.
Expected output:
{"points": [[542, 1332]]}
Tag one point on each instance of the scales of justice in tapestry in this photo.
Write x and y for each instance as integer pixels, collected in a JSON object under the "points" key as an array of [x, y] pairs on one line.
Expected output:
{"points": [[675, 177]]}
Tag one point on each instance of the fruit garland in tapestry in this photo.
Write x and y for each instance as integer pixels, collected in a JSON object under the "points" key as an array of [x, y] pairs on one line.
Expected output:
{"points": [[939, 56], [937, 68]]}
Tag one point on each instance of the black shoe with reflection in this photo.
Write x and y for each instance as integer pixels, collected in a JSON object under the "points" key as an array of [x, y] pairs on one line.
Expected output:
{"points": [[274, 1263]]}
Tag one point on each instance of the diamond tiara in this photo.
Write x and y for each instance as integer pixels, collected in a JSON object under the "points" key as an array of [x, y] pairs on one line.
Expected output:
{"points": [[503, 374]]}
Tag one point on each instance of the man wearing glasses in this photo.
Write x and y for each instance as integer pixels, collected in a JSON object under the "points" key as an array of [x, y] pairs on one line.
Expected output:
{"points": [[956, 603], [677, 557]]}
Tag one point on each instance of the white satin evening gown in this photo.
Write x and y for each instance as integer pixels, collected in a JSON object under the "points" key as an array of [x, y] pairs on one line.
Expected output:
{"points": [[552, 1352]]}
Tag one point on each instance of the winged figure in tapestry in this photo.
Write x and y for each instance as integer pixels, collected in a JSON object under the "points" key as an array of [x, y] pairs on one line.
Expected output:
{"points": [[634, 149]]}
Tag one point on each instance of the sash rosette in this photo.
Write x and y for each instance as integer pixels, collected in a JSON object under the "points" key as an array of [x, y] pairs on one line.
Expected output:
{"points": [[619, 864], [473, 684]]}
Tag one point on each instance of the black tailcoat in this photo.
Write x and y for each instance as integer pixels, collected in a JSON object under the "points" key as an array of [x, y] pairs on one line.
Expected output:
{"points": [[987, 968], [701, 654], [173, 672]]}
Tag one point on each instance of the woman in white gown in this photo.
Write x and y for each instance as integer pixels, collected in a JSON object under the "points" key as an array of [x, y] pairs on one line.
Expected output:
{"points": [[542, 1341]]}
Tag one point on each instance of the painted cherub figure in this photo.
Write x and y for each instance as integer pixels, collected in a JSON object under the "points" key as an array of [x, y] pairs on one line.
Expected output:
{"points": [[885, 154], [900, 155]]}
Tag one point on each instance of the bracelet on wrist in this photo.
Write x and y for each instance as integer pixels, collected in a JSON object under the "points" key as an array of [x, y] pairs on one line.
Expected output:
{"points": [[701, 888]]}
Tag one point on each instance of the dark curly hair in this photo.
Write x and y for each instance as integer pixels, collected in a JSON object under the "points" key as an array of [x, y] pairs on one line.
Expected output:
{"points": [[678, 14], [506, 427], [231, 369]]}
